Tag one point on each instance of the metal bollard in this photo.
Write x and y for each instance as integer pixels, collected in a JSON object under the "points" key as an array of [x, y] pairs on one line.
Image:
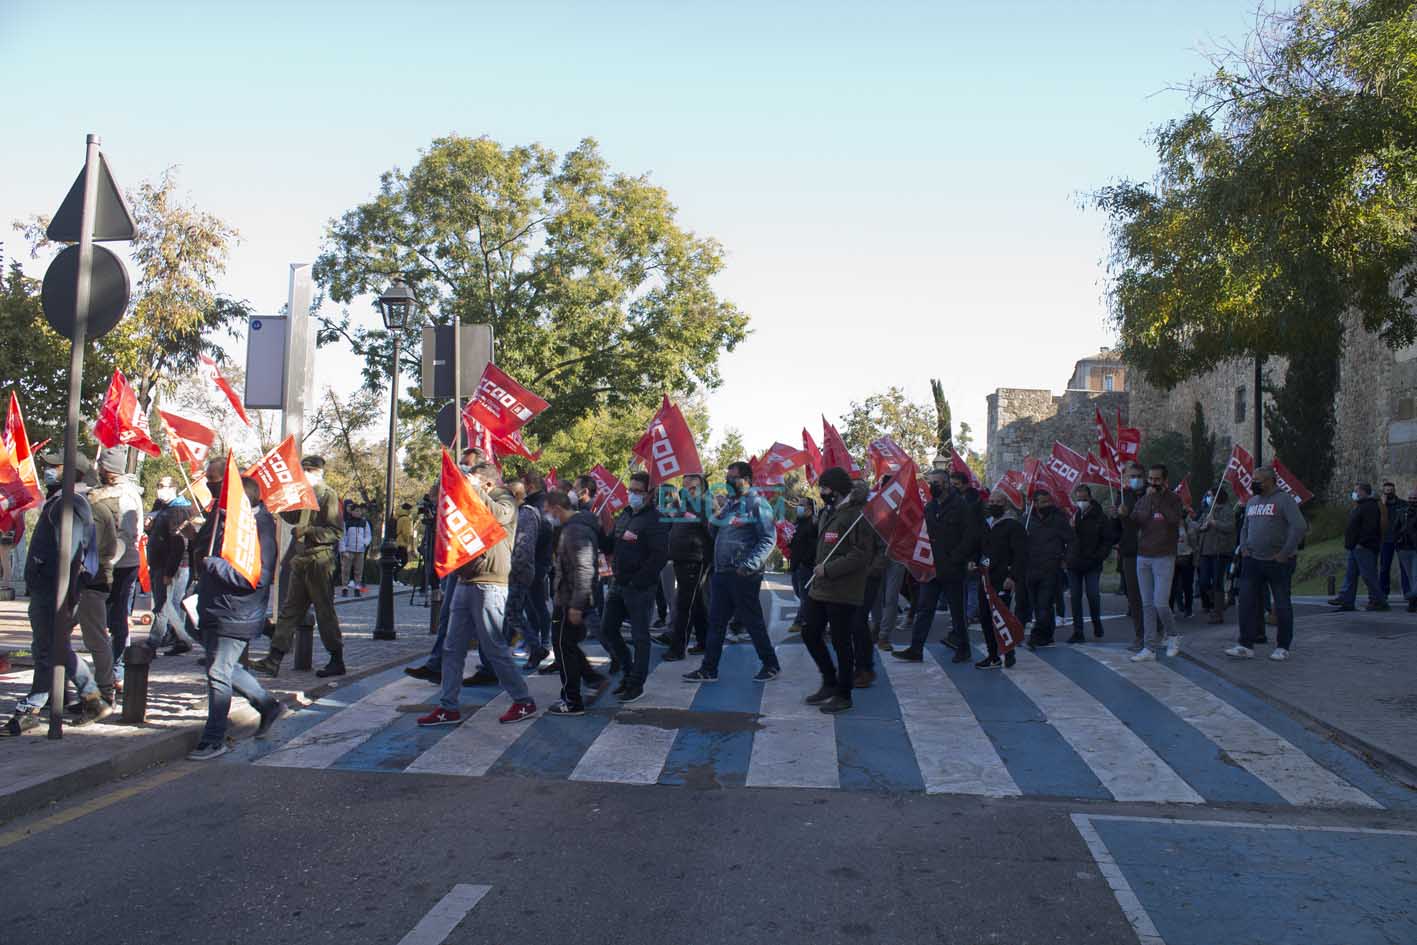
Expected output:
{"points": [[136, 660], [1332, 588], [304, 646]]}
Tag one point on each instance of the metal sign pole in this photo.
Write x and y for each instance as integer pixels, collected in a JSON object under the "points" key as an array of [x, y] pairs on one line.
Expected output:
{"points": [[63, 606]]}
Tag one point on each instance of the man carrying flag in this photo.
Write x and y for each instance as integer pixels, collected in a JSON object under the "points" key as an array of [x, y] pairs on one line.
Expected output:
{"points": [[1003, 559], [954, 526], [233, 597]]}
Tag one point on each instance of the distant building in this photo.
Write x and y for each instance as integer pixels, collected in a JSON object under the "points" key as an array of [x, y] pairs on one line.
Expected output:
{"points": [[1103, 372]]}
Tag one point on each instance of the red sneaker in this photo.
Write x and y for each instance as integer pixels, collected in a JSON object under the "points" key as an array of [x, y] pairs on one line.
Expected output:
{"points": [[518, 712], [441, 716]]}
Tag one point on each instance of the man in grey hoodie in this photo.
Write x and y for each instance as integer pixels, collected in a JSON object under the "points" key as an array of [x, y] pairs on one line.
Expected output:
{"points": [[1269, 544]]}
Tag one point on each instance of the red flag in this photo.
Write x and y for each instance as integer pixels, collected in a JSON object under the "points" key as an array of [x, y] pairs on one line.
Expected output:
{"points": [[1128, 442], [897, 513], [667, 447], [1008, 629], [14, 493], [815, 466], [1107, 448], [1011, 485], [190, 441], [777, 462], [552, 483], [465, 526], [208, 369], [501, 404], [17, 443], [785, 531], [1239, 473], [1289, 482], [282, 480], [1068, 465], [1099, 473], [958, 465], [886, 457], [240, 544], [1032, 469], [1183, 489], [478, 436], [610, 494], [120, 422], [1038, 475], [834, 452], [145, 578]]}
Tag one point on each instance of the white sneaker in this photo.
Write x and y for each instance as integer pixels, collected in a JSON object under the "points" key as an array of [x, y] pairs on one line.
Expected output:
{"points": [[1241, 652], [1143, 655], [1279, 654], [1173, 645]]}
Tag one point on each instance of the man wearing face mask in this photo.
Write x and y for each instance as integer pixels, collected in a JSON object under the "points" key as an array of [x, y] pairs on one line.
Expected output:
{"points": [[1086, 556], [1004, 552], [802, 552], [1133, 487], [745, 537], [1049, 537], [167, 562], [955, 529], [690, 548], [314, 535], [638, 546], [1216, 547], [1362, 539], [1158, 517], [1269, 546]]}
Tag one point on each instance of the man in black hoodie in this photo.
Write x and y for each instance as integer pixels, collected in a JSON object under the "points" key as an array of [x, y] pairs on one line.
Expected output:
{"points": [[690, 550], [802, 552], [1363, 538], [1086, 556], [1005, 554], [639, 547], [1049, 537], [955, 527], [575, 569]]}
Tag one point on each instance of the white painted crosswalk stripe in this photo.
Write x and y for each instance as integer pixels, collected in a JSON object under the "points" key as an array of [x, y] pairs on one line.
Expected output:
{"points": [[626, 754], [475, 745], [1124, 764], [323, 744], [796, 746], [1292, 774], [953, 753]]}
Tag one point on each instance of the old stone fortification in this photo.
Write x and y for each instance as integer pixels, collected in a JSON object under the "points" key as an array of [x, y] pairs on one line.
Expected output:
{"points": [[1375, 408]]}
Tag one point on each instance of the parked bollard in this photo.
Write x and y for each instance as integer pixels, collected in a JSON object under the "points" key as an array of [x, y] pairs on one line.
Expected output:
{"points": [[304, 646], [136, 660]]}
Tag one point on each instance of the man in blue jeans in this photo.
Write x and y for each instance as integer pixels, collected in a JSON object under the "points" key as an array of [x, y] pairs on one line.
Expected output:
{"points": [[956, 529], [1363, 539], [746, 536], [638, 546], [1269, 545]]}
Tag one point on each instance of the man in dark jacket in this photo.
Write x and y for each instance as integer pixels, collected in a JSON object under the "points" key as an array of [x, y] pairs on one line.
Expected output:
{"points": [[1086, 556], [230, 614], [1394, 509], [522, 578], [1004, 553], [1405, 538], [802, 553], [955, 528], [846, 547], [575, 567], [638, 546], [1363, 540], [690, 549], [1216, 548], [537, 614], [1049, 537], [167, 564]]}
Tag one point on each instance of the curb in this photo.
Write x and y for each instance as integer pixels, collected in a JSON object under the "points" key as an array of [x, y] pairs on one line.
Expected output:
{"points": [[1405, 770], [161, 750]]}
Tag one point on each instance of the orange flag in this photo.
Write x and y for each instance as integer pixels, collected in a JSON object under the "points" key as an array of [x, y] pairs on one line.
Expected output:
{"points": [[240, 545], [145, 578], [21, 453], [466, 528], [283, 483]]}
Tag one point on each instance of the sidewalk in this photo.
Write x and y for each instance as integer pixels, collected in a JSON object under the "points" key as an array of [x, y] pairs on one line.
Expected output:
{"points": [[1352, 672], [35, 770]]}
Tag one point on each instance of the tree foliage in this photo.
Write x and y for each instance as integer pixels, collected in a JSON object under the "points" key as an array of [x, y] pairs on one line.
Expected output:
{"points": [[1171, 450], [1300, 418], [1287, 196], [597, 297], [943, 424], [1202, 454], [891, 414]]}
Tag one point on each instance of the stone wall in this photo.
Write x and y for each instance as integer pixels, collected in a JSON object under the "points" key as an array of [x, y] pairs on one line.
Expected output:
{"points": [[1025, 422]]}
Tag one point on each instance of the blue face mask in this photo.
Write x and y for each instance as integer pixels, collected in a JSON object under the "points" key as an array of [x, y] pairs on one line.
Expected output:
{"points": [[1137, 484], [637, 500]]}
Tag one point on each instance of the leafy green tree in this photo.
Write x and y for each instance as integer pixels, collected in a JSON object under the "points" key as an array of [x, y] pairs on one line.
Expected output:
{"points": [[597, 297], [731, 450], [1170, 449], [1285, 198], [891, 414], [1202, 454], [1300, 419]]}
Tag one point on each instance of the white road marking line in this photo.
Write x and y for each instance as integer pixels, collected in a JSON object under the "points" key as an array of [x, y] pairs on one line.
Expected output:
{"points": [[435, 927], [323, 744], [951, 749], [1186, 822], [475, 745], [665, 688], [1125, 765], [627, 754], [1294, 775], [795, 753], [1126, 897], [783, 698]]}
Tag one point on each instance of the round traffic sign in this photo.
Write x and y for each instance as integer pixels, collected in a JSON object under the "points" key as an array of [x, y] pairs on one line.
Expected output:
{"points": [[108, 292]]}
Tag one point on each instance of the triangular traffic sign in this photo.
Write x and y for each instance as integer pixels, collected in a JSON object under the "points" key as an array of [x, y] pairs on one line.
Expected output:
{"points": [[112, 219]]}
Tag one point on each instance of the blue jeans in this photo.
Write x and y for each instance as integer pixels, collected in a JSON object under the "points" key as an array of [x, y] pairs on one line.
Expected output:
{"points": [[120, 604], [538, 612], [888, 606], [41, 614], [1255, 576], [515, 621], [445, 613], [636, 604], [732, 594], [1086, 581], [1361, 561], [1389, 551], [931, 592], [167, 609], [224, 674], [479, 611], [1213, 569]]}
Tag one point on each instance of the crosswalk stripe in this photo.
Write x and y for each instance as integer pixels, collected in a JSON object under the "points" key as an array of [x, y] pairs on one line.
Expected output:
{"points": [[954, 754], [476, 744], [1125, 765], [797, 752], [323, 744], [1292, 774], [665, 688], [626, 754]]}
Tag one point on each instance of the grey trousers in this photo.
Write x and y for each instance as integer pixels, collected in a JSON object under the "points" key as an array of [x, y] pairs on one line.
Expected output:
{"points": [[93, 623]]}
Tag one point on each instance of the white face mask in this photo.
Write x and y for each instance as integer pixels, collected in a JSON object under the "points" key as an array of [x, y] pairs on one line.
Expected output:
{"points": [[315, 476], [166, 494], [1355, 495], [1082, 504]]}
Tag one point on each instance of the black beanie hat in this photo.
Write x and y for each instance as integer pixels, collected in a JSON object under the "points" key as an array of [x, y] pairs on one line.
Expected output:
{"points": [[837, 480]]}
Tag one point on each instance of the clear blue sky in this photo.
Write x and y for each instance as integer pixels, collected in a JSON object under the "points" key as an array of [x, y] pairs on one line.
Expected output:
{"points": [[899, 185]]}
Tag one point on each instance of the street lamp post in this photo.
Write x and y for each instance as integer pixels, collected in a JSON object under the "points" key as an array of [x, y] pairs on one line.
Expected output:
{"points": [[395, 305]]}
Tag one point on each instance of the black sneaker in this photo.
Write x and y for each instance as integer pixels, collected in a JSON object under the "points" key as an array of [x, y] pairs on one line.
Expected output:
{"points": [[911, 655], [821, 695], [961, 655], [699, 676], [1010, 659], [206, 751], [766, 674], [566, 709], [989, 662], [1097, 631], [695, 650], [270, 717], [595, 680], [1077, 637], [335, 667], [624, 687], [632, 694], [1377, 605], [483, 677], [1343, 608], [423, 673], [672, 657], [835, 704], [178, 648], [661, 639], [267, 665], [534, 658]]}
